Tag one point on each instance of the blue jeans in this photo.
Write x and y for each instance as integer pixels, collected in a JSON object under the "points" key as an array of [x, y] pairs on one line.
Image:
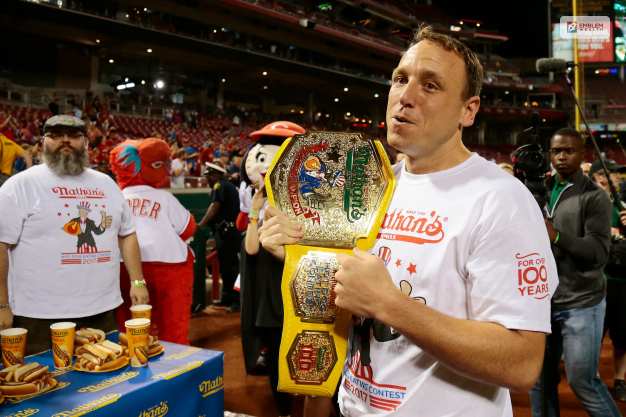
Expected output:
{"points": [[577, 336]]}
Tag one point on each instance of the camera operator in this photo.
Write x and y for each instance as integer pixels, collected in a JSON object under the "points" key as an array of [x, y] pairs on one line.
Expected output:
{"points": [[615, 271], [578, 224]]}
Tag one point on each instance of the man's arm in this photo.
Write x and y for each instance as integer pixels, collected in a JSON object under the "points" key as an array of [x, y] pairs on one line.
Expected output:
{"points": [[592, 248], [6, 316], [484, 351], [129, 248], [210, 214]]}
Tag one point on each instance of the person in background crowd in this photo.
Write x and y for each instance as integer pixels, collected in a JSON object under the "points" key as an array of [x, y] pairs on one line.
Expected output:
{"points": [[163, 225], [585, 167], [178, 170], [615, 271], [8, 126], [445, 325], [578, 224], [222, 213], [9, 152], [55, 219]]}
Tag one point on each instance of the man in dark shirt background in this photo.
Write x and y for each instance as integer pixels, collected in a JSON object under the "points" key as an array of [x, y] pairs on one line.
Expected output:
{"points": [[222, 213], [578, 223]]}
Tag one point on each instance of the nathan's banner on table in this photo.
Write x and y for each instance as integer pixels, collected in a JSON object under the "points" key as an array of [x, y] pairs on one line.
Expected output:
{"points": [[338, 186]]}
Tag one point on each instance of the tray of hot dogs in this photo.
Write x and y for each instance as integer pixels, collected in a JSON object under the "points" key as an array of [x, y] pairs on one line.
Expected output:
{"points": [[154, 347], [27, 380], [88, 335], [104, 356]]}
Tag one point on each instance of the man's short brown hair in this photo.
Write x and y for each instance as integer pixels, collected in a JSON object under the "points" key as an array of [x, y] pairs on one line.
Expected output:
{"points": [[473, 67]]}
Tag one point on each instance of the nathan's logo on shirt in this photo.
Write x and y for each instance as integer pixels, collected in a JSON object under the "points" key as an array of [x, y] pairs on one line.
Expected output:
{"points": [[532, 276], [413, 226], [78, 192]]}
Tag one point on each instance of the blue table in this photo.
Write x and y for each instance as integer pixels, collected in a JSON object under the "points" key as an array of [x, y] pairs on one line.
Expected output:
{"points": [[184, 381]]}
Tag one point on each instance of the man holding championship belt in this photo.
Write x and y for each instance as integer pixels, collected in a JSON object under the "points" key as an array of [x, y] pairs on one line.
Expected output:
{"points": [[453, 312]]}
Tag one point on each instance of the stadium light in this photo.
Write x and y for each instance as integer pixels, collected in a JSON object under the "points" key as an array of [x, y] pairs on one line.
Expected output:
{"points": [[454, 28], [121, 87], [111, 61], [97, 40], [264, 73], [159, 84], [143, 82], [149, 50], [346, 89], [348, 114], [223, 80], [265, 87], [336, 100], [376, 95], [130, 85], [126, 79]]}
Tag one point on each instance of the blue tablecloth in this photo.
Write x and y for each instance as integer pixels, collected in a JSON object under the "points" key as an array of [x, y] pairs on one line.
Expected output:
{"points": [[184, 381]]}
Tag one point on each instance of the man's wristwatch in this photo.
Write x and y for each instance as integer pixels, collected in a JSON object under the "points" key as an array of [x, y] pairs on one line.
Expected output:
{"points": [[138, 283]]}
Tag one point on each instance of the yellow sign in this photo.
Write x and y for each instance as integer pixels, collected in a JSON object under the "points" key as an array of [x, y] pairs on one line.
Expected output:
{"points": [[83, 409], [178, 371], [109, 382], [157, 411], [211, 386], [25, 413], [182, 355]]}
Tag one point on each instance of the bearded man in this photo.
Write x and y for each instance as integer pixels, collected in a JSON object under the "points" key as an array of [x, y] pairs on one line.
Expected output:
{"points": [[49, 279]]}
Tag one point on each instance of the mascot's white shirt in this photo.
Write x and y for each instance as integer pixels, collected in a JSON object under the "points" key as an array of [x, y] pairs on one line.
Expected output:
{"points": [[469, 242], [160, 219], [62, 265]]}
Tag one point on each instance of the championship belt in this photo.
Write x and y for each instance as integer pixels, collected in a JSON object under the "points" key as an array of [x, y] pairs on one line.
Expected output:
{"points": [[338, 186]]}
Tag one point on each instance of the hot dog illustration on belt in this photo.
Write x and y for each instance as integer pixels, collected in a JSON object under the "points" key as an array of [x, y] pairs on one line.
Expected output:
{"points": [[84, 228], [313, 176]]}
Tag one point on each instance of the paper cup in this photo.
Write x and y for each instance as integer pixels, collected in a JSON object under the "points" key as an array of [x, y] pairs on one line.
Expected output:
{"points": [[13, 344], [141, 311], [62, 335], [137, 333]]}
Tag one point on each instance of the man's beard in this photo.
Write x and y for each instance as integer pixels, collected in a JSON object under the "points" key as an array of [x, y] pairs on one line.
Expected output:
{"points": [[62, 163]]}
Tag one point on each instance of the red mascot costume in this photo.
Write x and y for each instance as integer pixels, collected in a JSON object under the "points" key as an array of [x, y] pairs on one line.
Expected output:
{"points": [[163, 224]]}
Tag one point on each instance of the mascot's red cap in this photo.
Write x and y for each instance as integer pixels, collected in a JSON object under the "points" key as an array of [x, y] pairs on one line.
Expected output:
{"points": [[281, 129], [141, 162]]}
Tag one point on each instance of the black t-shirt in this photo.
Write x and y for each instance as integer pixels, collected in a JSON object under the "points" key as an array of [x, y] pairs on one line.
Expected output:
{"points": [[227, 195]]}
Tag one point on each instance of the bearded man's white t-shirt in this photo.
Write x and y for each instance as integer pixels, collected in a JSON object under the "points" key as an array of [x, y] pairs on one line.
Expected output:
{"points": [[469, 242], [65, 262]]}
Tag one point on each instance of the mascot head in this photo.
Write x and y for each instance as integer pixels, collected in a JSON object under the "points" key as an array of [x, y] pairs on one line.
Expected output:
{"points": [[268, 139], [141, 162]]}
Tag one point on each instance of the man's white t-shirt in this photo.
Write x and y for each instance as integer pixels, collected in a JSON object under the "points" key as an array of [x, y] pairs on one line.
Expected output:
{"points": [[160, 219], [469, 242], [65, 262]]}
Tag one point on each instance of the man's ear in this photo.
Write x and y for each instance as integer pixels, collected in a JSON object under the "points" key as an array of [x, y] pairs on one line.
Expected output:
{"points": [[470, 109]]}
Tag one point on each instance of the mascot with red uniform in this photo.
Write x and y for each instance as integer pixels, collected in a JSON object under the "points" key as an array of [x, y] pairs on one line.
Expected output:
{"points": [[163, 225]]}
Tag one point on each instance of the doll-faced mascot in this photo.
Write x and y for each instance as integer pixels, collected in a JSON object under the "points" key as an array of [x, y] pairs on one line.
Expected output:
{"points": [[141, 168], [257, 160], [261, 298]]}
